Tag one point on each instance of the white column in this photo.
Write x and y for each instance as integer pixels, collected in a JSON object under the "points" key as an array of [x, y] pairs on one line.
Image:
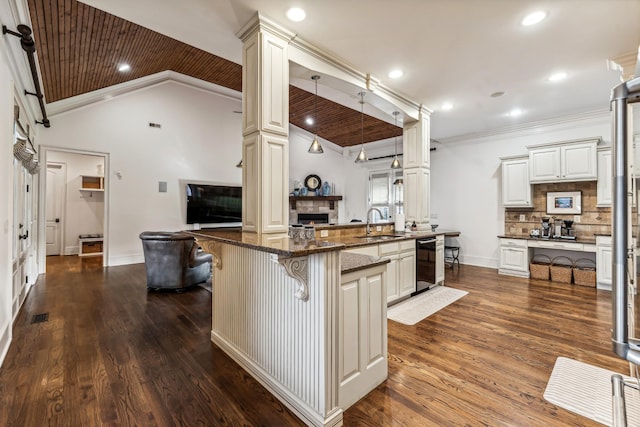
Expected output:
{"points": [[415, 158], [265, 127]]}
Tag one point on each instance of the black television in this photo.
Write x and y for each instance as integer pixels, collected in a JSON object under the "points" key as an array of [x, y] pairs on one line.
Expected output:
{"points": [[219, 205]]}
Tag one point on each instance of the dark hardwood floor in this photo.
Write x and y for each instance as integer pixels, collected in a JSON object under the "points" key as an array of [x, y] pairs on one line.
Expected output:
{"points": [[113, 354]]}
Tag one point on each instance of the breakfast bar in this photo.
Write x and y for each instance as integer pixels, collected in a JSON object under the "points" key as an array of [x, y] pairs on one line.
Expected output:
{"points": [[304, 317]]}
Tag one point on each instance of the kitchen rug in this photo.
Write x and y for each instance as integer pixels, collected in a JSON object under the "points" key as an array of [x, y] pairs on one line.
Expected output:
{"points": [[586, 390], [424, 305]]}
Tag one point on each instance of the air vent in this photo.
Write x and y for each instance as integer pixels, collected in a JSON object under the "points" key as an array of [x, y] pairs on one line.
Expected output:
{"points": [[40, 318]]}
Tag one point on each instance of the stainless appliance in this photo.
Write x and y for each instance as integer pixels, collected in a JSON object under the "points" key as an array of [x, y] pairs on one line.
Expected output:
{"points": [[425, 264], [546, 228]]}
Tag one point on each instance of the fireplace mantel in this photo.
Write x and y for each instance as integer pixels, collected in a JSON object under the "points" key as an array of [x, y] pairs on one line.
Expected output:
{"points": [[331, 199]]}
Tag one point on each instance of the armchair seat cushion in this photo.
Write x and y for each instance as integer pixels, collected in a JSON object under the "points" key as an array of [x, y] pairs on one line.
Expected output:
{"points": [[173, 260]]}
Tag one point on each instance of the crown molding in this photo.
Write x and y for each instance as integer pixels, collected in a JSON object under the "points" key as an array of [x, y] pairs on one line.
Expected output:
{"points": [[107, 93], [529, 126]]}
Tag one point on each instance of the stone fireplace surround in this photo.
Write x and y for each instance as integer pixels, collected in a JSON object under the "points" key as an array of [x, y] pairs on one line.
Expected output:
{"points": [[315, 205]]}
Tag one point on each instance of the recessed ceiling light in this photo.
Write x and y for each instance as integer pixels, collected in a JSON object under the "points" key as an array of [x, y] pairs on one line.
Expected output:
{"points": [[296, 14], [394, 74], [446, 106], [309, 121], [534, 18], [124, 68], [557, 76], [515, 112]]}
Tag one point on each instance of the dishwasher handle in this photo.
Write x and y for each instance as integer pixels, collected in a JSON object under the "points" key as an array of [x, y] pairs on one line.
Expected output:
{"points": [[426, 241]]}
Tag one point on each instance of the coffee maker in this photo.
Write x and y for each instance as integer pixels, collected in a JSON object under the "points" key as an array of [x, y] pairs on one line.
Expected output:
{"points": [[567, 230], [546, 228]]}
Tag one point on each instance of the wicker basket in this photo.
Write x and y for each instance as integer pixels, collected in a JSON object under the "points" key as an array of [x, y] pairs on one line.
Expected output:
{"points": [[584, 272], [561, 268], [539, 267]]}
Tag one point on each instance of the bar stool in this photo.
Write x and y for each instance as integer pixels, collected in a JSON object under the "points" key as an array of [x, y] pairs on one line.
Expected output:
{"points": [[451, 254]]}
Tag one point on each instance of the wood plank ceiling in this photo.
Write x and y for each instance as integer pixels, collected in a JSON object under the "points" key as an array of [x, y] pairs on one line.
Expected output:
{"points": [[79, 49]]}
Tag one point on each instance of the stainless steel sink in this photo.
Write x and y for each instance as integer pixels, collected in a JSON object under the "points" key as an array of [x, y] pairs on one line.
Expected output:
{"points": [[375, 238]]}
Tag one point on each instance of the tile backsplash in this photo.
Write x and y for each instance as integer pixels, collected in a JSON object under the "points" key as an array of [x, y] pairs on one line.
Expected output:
{"points": [[593, 220]]}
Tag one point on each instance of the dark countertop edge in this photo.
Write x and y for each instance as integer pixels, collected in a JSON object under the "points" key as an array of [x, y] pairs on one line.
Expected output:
{"points": [[357, 262], [319, 246], [538, 239]]}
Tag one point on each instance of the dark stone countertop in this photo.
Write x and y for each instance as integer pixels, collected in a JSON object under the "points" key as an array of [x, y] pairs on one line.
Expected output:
{"points": [[282, 245], [354, 262], [583, 240]]}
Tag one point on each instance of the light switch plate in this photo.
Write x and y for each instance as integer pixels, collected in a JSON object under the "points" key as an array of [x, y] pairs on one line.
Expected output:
{"points": [[162, 186], [378, 228], [522, 217], [324, 233], [576, 218]]}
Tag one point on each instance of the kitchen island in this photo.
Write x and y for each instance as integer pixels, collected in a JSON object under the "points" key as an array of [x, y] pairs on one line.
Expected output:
{"points": [[305, 320]]}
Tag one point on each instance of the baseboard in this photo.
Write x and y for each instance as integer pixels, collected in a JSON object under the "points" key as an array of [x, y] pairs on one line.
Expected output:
{"points": [[301, 409], [515, 273], [479, 261], [5, 342], [72, 250], [125, 259]]}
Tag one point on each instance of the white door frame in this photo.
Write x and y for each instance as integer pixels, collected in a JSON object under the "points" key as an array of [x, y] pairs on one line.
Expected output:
{"points": [[42, 196]]}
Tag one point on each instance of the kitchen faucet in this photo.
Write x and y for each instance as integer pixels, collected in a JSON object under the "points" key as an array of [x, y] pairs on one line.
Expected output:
{"points": [[368, 224]]}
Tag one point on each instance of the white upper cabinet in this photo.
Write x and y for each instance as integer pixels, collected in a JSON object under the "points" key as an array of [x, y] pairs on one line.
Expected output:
{"points": [[605, 178], [516, 190], [568, 161]]}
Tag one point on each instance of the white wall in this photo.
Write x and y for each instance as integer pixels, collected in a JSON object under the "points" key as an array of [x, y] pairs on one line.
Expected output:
{"points": [[199, 139], [83, 211], [466, 181]]}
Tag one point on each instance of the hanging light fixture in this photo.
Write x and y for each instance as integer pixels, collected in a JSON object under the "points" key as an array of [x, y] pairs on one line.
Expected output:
{"points": [[396, 163], [316, 148], [362, 156]]}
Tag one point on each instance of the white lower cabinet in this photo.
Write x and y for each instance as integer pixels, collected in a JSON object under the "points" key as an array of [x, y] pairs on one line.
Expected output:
{"points": [[439, 259], [362, 336], [604, 262], [401, 269], [514, 257]]}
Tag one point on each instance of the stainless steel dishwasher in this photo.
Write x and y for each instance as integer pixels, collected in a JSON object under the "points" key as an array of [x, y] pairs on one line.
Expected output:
{"points": [[425, 264]]}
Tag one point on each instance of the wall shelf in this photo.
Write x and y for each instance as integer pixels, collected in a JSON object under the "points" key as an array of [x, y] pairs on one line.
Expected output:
{"points": [[331, 199], [92, 183]]}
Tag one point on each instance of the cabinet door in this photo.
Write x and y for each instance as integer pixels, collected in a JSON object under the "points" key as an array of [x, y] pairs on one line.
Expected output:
{"points": [[604, 260], [516, 190], [416, 192], [544, 164], [362, 334], [407, 273], [393, 285], [514, 258], [605, 177], [440, 260], [579, 161]]}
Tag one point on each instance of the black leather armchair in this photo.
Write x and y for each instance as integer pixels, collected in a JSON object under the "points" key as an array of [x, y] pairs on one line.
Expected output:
{"points": [[173, 260]]}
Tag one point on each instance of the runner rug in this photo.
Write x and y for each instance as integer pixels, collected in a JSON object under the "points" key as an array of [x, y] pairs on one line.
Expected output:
{"points": [[424, 305]]}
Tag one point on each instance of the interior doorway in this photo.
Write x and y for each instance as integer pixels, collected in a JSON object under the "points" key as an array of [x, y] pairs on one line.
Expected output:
{"points": [[56, 195], [75, 205]]}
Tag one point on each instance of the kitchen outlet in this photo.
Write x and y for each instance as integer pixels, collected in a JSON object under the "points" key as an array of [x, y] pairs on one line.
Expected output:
{"points": [[324, 233], [576, 218], [522, 217], [378, 228]]}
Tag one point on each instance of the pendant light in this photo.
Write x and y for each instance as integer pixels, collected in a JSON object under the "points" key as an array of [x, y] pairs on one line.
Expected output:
{"points": [[316, 148], [362, 156], [396, 163]]}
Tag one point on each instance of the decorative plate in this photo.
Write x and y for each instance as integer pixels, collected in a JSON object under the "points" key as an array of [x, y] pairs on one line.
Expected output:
{"points": [[312, 182]]}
